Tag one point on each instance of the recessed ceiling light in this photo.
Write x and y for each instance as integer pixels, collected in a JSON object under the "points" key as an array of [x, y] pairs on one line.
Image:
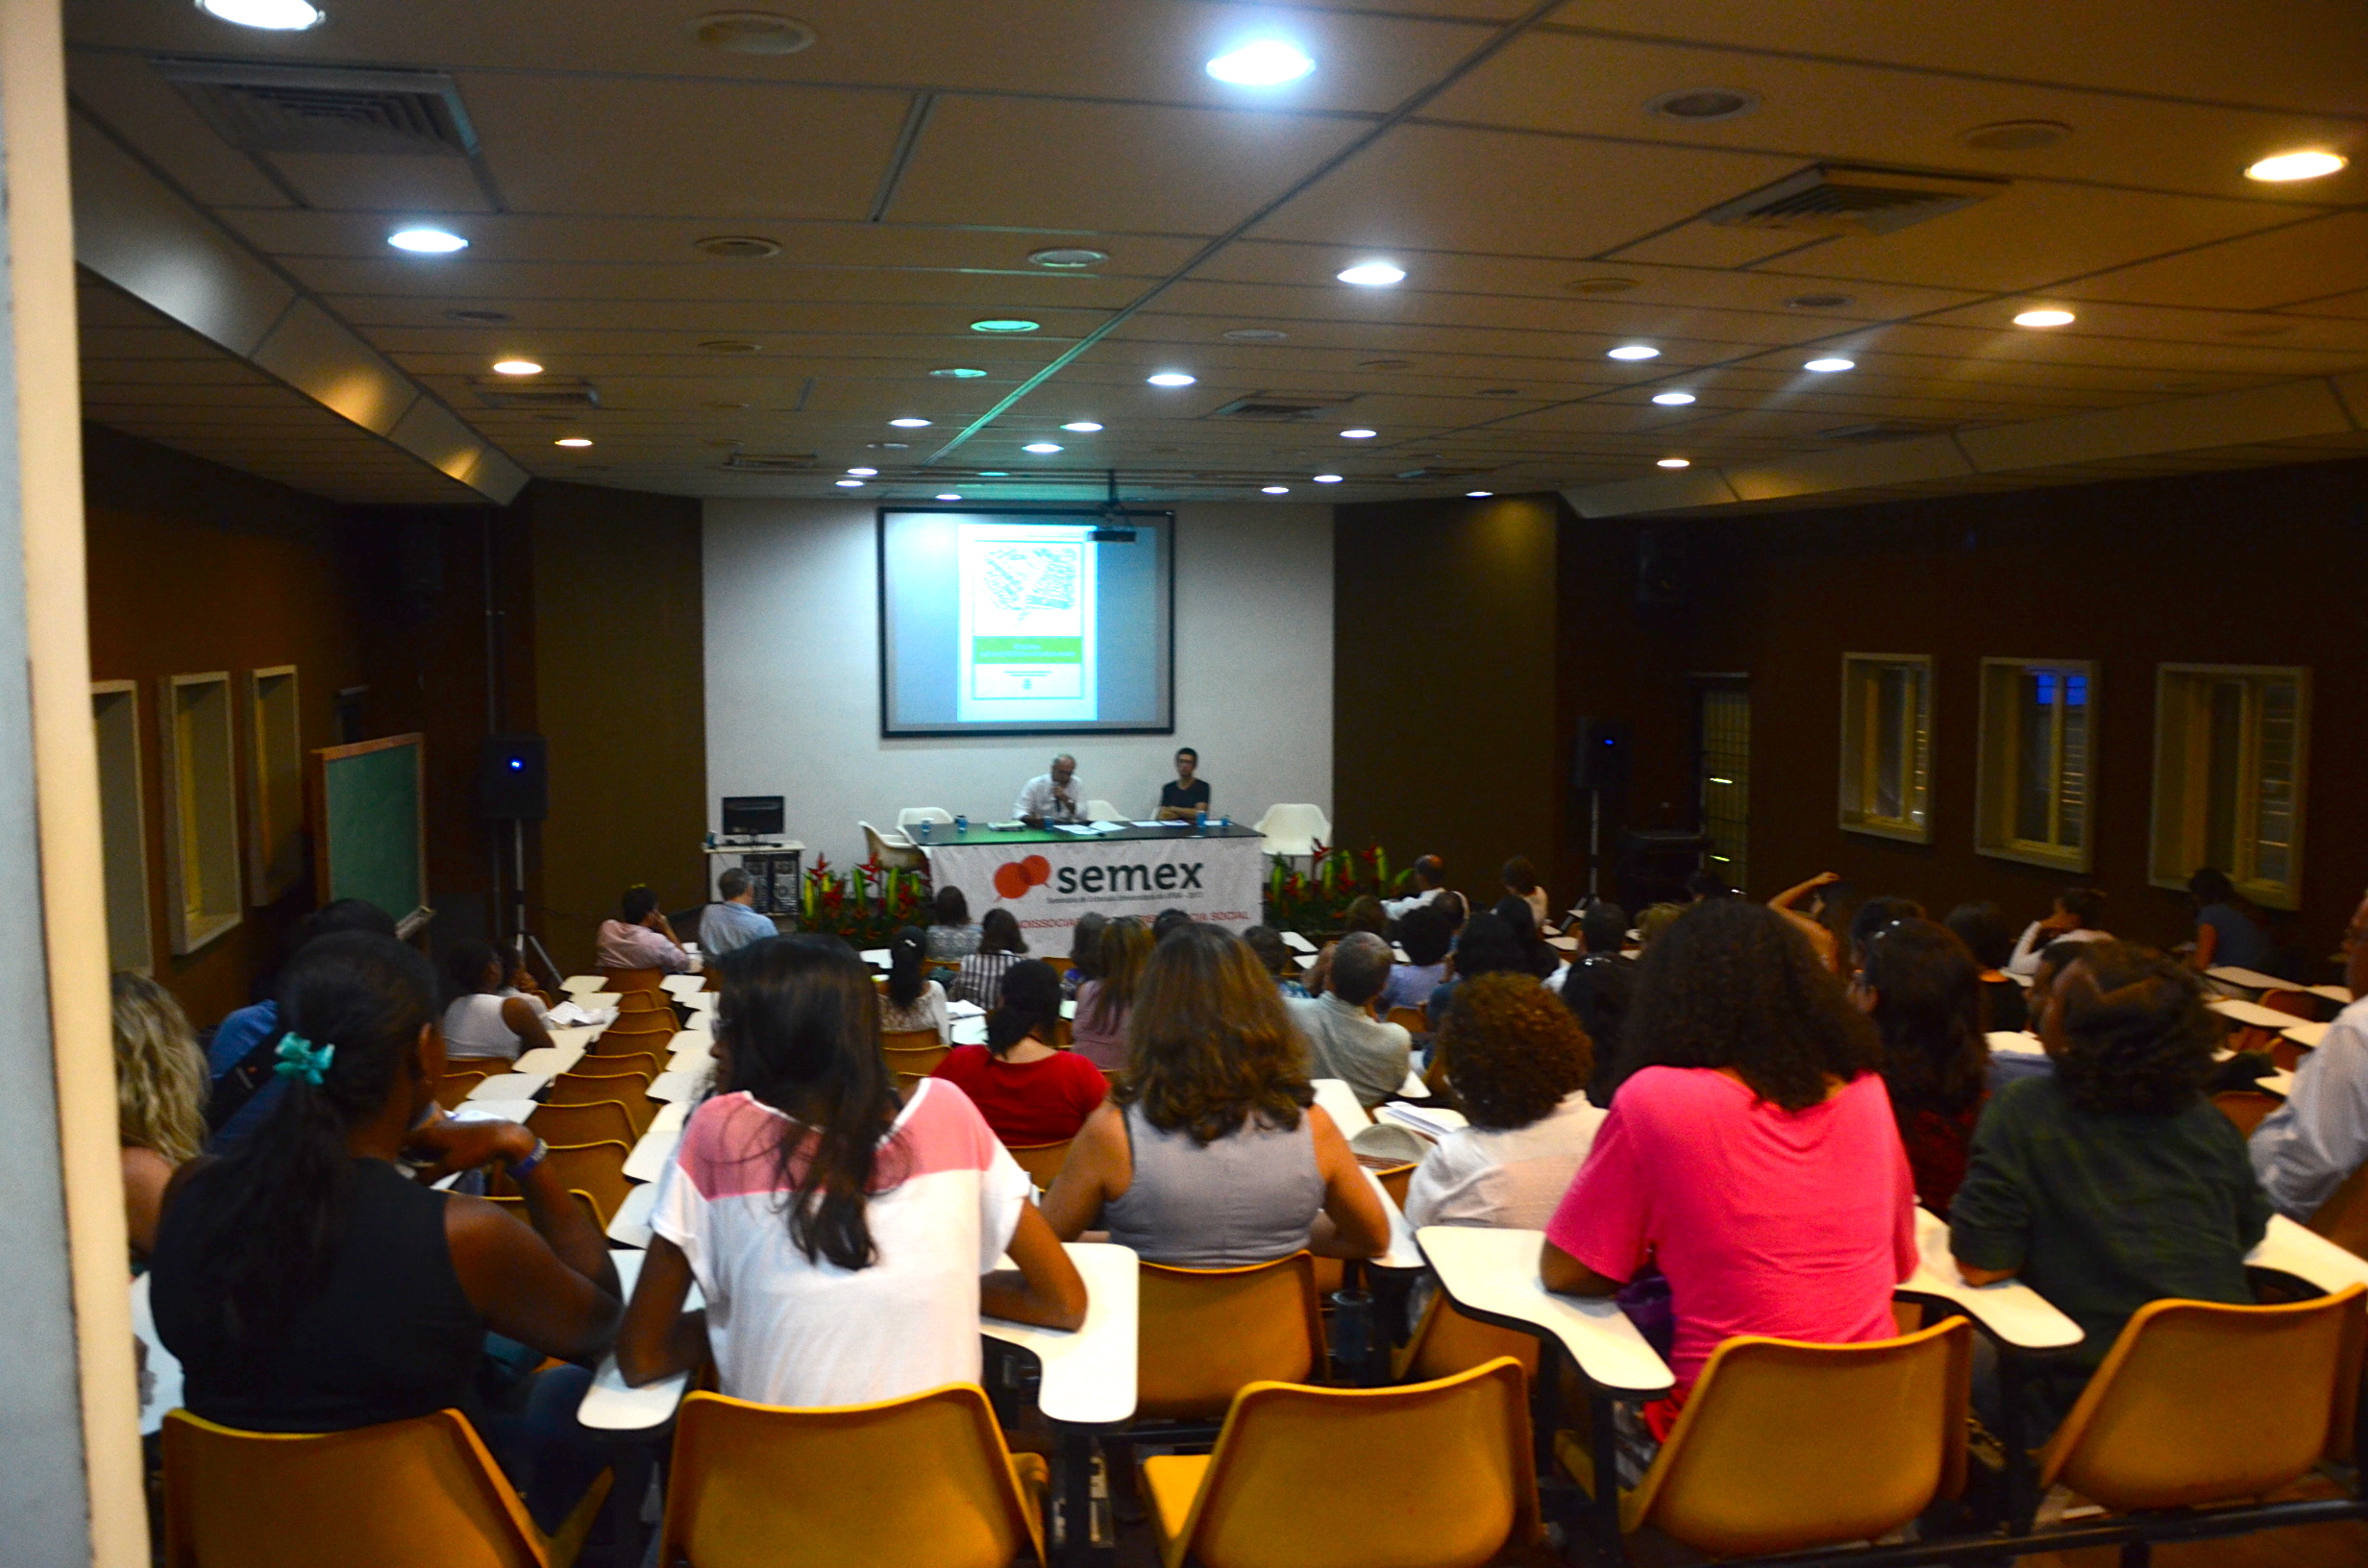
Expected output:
{"points": [[2305, 165], [1267, 62], [958, 373], [850, 484], [911, 424], [573, 441], [1371, 275], [1327, 479], [1674, 462], [1359, 434], [738, 247], [1820, 301], [947, 495], [728, 345], [1042, 449], [2016, 135], [1478, 495], [1069, 258], [1170, 378], [1703, 104], [1274, 489], [2044, 318], [1632, 351], [427, 241], [863, 473], [275, 15], [994, 474], [1083, 427], [1599, 285], [1256, 334], [751, 32], [516, 367], [477, 315], [1673, 400], [1827, 367], [1004, 323]]}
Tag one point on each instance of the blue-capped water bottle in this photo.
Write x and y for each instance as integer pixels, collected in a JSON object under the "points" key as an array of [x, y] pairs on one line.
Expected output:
{"points": [[1200, 819], [961, 825], [924, 827]]}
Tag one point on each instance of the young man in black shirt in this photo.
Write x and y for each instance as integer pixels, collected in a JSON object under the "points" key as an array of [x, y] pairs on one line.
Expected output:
{"points": [[1189, 795]]}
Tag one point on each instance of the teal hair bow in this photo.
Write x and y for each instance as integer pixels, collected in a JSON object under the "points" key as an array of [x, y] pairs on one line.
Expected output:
{"points": [[300, 1058]]}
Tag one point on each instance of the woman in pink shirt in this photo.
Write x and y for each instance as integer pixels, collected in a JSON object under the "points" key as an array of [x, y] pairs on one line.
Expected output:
{"points": [[1752, 1157]]}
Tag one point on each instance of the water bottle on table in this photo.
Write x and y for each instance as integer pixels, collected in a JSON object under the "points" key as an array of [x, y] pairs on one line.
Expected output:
{"points": [[961, 825]]}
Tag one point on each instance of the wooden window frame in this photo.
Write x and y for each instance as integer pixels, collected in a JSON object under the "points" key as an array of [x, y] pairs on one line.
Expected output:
{"points": [[1859, 761], [221, 909], [1997, 751], [2174, 838], [143, 960], [275, 797]]}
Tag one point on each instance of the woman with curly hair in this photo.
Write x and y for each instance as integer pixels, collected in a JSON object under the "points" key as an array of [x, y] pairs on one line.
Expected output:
{"points": [[1211, 1152], [1751, 1154], [1924, 991], [159, 1099], [1520, 1062], [2110, 1182]]}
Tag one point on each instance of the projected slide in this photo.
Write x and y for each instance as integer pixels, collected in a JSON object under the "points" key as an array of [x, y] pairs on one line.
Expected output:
{"points": [[1026, 621], [1027, 624]]}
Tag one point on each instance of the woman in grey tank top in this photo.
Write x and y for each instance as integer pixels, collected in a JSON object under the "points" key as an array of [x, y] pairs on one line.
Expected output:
{"points": [[1210, 1152]]}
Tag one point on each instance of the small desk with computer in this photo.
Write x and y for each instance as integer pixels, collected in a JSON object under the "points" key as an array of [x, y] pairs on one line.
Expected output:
{"points": [[751, 839]]}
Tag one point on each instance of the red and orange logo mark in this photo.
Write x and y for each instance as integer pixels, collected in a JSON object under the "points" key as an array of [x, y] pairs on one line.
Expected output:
{"points": [[1014, 877]]}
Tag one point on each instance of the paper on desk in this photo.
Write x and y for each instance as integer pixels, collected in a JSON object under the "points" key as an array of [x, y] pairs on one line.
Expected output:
{"points": [[965, 1009], [1083, 830], [2015, 1042], [574, 1015], [1172, 823], [1293, 939], [1430, 1120], [968, 1032]]}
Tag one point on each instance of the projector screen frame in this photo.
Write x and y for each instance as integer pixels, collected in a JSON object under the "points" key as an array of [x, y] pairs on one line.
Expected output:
{"points": [[883, 667]]}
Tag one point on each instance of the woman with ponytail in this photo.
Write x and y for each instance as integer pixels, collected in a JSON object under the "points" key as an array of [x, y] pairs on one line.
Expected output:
{"points": [[308, 1284], [846, 1242], [1029, 1089]]}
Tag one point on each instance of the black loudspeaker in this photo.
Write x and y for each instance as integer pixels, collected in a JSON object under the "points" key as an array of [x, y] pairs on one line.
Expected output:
{"points": [[1601, 760], [513, 781]]}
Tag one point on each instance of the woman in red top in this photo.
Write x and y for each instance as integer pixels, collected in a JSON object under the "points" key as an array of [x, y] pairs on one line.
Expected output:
{"points": [[1923, 989], [1031, 1091]]}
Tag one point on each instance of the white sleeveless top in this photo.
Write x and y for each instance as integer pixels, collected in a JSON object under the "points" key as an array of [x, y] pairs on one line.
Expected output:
{"points": [[472, 1027]]}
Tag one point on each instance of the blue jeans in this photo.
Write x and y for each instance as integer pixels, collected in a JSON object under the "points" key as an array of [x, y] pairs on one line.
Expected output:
{"points": [[548, 1455]]}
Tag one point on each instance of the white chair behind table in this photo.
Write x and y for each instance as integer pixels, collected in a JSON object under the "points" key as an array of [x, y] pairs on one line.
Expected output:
{"points": [[1102, 811], [892, 849], [910, 814], [1293, 830]]}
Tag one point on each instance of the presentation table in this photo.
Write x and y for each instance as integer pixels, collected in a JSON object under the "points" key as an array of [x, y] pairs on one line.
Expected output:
{"points": [[1047, 878]]}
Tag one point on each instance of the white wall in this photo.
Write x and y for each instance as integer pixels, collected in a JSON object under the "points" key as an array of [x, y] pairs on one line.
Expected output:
{"points": [[793, 676]]}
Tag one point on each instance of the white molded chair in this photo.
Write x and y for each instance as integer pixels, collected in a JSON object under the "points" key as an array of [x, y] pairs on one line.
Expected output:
{"points": [[923, 814], [1102, 811], [892, 849], [1294, 829]]}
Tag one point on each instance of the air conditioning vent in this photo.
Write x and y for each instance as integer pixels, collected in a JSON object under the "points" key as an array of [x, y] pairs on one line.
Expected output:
{"points": [[771, 462], [1836, 199], [1278, 408], [317, 108], [544, 393]]}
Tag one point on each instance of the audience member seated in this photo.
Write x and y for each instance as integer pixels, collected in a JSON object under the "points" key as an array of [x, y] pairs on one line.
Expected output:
{"points": [[1923, 990], [159, 1099], [2078, 910], [1521, 880], [1266, 946], [1870, 918], [2306, 1147], [1343, 1040], [308, 1284], [952, 934], [1210, 1152], [2229, 930], [1519, 1064], [1366, 914], [1488, 945], [846, 1244], [1751, 1155], [1422, 882], [1084, 952], [1453, 905], [732, 922], [1653, 923], [1596, 988], [1812, 922], [1098, 1030], [911, 1001], [1000, 945], [2111, 1182], [639, 937], [489, 1018], [238, 1059], [1167, 922], [1426, 936], [1029, 1089], [2008, 1065], [1984, 930], [1544, 962], [1703, 884]]}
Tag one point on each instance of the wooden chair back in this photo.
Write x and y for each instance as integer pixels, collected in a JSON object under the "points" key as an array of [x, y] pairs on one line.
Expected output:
{"points": [[596, 1122]]}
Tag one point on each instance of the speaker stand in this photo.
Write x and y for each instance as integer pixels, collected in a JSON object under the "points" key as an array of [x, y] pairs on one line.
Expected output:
{"points": [[522, 939]]}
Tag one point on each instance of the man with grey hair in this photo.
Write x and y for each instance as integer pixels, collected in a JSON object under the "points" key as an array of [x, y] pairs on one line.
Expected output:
{"points": [[733, 922], [1344, 1041], [1052, 798]]}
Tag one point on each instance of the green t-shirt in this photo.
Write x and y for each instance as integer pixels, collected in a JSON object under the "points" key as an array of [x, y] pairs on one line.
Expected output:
{"points": [[2102, 1212]]}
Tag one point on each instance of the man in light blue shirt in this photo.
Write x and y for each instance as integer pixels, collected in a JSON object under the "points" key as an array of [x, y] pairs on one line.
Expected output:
{"points": [[734, 923]]}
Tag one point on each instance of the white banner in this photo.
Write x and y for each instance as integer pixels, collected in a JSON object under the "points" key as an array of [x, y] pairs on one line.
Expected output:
{"points": [[1047, 885]]}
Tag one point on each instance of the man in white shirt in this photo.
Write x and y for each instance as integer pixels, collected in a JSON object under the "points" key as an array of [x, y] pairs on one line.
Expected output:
{"points": [[1051, 797], [2078, 910], [1343, 1040], [1430, 876], [2304, 1149]]}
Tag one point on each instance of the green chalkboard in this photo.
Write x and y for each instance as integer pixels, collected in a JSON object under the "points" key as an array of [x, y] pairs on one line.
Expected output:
{"points": [[367, 833]]}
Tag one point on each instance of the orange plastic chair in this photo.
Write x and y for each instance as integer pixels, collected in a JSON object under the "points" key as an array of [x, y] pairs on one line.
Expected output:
{"points": [[1785, 1446], [631, 1090], [619, 980], [1446, 1342], [2247, 1107], [2198, 1403], [1439, 1475], [1204, 1334], [455, 1087], [601, 1121], [2343, 1218], [389, 1496], [758, 1485], [1409, 1019], [515, 1202], [913, 1054], [595, 1169], [608, 1065], [1041, 1161]]}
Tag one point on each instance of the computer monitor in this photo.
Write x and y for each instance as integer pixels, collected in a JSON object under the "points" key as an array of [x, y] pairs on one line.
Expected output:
{"points": [[752, 816]]}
